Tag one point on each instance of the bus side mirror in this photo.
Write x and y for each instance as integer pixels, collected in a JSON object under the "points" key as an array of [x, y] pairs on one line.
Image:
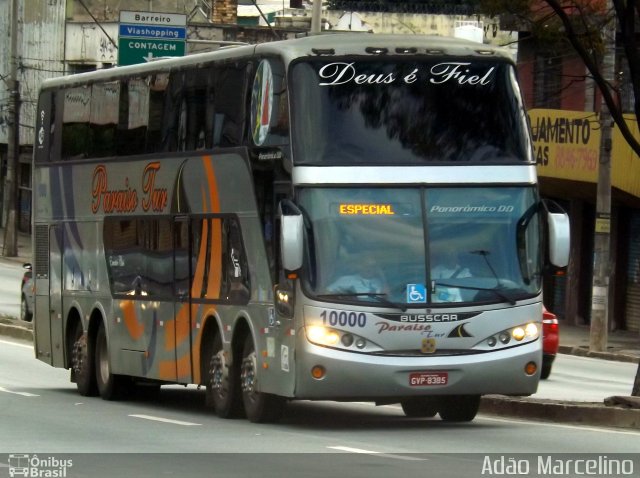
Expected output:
{"points": [[291, 238], [559, 238]]}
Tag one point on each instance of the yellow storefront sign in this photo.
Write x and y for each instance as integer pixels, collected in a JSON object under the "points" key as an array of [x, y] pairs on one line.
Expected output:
{"points": [[626, 164], [567, 146]]}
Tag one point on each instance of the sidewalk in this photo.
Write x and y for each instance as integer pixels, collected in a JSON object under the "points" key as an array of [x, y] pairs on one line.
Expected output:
{"points": [[622, 345], [24, 248]]}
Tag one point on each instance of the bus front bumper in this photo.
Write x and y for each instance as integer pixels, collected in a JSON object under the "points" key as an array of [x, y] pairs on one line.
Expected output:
{"points": [[352, 376]]}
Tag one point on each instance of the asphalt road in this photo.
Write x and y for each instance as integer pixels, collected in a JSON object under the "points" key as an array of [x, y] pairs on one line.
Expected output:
{"points": [[42, 413]]}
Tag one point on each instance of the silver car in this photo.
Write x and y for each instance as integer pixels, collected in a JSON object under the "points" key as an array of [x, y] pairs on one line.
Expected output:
{"points": [[27, 293]]}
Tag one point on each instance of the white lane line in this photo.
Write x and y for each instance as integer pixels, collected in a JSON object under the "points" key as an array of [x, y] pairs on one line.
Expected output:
{"points": [[379, 453], [166, 420], [24, 394], [16, 344]]}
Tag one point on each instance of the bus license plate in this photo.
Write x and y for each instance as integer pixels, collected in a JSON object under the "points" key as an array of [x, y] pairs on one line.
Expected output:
{"points": [[426, 379]]}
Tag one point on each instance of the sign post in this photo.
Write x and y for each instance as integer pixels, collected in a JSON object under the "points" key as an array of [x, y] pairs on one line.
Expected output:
{"points": [[143, 36]]}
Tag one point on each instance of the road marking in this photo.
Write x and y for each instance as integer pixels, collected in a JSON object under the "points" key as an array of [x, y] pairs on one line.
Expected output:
{"points": [[24, 394], [371, 452], [16, 344], [166, 420]]}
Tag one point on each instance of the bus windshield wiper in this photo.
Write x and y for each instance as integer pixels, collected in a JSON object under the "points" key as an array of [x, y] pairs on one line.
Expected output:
{"points": [[497, 291], [379, 296]]}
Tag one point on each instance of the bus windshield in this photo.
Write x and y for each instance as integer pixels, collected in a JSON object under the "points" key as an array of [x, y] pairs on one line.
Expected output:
{"points": [[406, 112], [422, 246]]}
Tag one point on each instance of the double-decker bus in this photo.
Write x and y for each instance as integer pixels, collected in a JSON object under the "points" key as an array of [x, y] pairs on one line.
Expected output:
{"points": [[334, 217]]}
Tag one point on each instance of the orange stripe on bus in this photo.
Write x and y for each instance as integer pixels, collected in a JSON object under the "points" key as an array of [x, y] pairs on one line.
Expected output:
{"points": [[215, 261], [198, 278], [184, 366], [135, 328], [167, 370], [214, 197]]}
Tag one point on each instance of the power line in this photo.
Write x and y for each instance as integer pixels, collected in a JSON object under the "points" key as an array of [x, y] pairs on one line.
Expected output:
{"points": [[98, 23]]}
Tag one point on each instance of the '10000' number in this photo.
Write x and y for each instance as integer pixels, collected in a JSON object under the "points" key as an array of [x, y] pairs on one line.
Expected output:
{"points": [[343, 319]]}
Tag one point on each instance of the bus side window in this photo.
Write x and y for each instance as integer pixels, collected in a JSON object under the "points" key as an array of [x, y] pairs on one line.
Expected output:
{"points": [[134, 117], [235, 270], [158, 125], [230, 89], [192, 121], [76, 114], [104, 118]]}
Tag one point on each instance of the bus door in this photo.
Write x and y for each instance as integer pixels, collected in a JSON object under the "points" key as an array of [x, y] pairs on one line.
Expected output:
{"points": [[182, 304]]}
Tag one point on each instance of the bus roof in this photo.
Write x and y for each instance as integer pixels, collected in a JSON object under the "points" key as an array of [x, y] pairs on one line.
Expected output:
{"points": [[368, 44], [333, 44]]}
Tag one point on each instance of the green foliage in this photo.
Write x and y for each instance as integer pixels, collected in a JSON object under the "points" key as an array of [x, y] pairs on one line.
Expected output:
{"points": [[443, 7], [544, 25]]}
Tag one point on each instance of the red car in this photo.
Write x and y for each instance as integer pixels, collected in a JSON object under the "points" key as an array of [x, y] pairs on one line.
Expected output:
{"points": [[550, 341]]}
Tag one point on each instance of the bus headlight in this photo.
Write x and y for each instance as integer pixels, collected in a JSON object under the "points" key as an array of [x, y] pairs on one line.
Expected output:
{"points": [[322, 336], [531, 330], [339, 339], [520, 334]]}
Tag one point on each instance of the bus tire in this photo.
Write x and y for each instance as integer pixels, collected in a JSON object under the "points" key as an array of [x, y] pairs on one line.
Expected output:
{"points": [[223, 387], [420, 407], [82, 368], [260, 407], [459, 408], [110, 386]]}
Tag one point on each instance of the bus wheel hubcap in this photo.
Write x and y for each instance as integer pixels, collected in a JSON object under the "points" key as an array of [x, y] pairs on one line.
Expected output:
{"points": [[217, 372], [249, 374]]}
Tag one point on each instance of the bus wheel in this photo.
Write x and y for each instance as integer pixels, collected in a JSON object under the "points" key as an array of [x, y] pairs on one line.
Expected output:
{"points": [[459, 408], [420, 407], [82, 369], [110, 386], [222, 383], [260, 407]]}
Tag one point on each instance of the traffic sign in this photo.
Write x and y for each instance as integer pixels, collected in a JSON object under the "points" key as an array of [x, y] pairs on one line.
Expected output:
{"points": [[144, 36]]}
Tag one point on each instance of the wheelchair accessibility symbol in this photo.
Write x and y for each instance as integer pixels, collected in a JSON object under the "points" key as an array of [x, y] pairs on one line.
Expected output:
{"points": [[416, 294]]}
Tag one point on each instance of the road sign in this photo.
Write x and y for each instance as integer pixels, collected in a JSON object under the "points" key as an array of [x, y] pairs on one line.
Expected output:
{"points": [[144, 36]]}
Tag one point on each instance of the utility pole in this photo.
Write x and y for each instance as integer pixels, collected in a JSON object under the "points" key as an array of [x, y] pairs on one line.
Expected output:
{"points": [[599, 330], [13, 141], [316, 17]]}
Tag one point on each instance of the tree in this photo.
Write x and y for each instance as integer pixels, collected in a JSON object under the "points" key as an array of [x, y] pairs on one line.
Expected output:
{"points": [[441, 7], [581, 23]]}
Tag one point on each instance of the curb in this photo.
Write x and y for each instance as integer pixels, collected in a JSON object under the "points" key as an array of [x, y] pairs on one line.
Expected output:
{"points": [[584, 352], [580, 413], [16, 331]]}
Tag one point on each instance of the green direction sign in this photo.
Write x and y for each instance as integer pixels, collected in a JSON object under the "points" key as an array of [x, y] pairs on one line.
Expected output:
{"points": [[132, 51]]}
